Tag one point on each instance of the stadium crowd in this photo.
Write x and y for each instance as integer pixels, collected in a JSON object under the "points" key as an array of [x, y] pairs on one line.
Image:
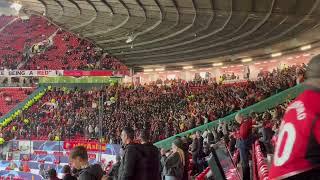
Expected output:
{"points": [[187, 157], [140, 161], [163, 109], [150, 109]]}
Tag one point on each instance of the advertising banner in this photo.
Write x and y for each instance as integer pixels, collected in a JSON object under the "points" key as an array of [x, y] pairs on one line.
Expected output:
{"points": [[90, 146], [78, 80], [87, 73], [50, 154], [16, 175], [55, 73], [30, 73], [53, 151]]}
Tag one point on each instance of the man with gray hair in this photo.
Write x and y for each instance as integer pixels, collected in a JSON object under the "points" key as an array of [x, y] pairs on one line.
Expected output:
{"points": [[245, 142], [297, 151]]}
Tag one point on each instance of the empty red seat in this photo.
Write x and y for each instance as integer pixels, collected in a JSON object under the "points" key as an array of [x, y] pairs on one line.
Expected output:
{"points": [[261, 165]]}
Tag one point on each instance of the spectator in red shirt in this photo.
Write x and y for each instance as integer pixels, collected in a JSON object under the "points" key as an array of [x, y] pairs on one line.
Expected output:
{"points": [[297, 151], [245, 142]]}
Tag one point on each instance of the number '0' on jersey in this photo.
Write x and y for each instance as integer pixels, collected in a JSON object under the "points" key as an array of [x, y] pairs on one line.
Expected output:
{"points": [[298, 144]]}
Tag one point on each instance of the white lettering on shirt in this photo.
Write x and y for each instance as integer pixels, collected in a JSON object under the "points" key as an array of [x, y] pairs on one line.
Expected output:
{"points": [[299, 107]]}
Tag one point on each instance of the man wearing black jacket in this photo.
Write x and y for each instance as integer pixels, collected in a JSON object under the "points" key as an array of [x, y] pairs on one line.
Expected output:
{"points": [[150, 156], [66, 170], [140, 161], [113, 174], [200, 161], [79, 160]]}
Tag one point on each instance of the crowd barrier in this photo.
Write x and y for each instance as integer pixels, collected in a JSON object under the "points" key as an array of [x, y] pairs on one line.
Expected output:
{"points": [[261, 106]]}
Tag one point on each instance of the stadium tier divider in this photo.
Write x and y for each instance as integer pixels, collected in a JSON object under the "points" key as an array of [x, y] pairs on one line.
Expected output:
{"points": [[261, 106], [22, 104]]}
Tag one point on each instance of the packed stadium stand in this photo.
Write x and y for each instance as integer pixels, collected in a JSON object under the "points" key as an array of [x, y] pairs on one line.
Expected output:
{"points": [[65, 114], [73, 113]]}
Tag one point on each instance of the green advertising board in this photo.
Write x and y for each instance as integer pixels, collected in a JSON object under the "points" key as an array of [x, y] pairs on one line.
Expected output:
{"points": [[79, 80]]}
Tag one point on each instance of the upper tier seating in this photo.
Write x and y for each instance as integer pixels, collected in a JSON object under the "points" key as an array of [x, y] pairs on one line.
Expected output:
{"points": [[38, 44], [109, 62], [5, 20], [10, 97], [19, 35]]}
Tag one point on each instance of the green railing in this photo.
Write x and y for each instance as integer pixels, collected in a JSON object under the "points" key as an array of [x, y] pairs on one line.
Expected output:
{"points": [[261, 106]]}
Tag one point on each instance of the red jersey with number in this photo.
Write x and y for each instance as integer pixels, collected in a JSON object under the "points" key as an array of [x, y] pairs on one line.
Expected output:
{"points": [[298, 145]]}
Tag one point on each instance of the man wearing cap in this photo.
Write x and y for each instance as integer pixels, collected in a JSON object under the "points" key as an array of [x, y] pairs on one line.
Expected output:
{"points": [[297, 151]]}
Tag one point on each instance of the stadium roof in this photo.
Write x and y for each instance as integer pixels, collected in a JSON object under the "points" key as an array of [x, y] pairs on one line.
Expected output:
{"points": [[185, 32]]}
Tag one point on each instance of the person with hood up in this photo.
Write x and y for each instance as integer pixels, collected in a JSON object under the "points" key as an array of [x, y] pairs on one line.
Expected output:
{"points": [[79, 160]]}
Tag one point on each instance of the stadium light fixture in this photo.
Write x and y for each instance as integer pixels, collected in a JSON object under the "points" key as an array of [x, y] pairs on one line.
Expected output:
{"points": [[276, 54], [159, 69], [130, 39], [147, 70], [306, 47], [306, 55], [217, 64], [240, 65], [246, 60], [187, 67], [257, 63], [205, 69], [16, 6], [225, 67], [289, 58]]}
